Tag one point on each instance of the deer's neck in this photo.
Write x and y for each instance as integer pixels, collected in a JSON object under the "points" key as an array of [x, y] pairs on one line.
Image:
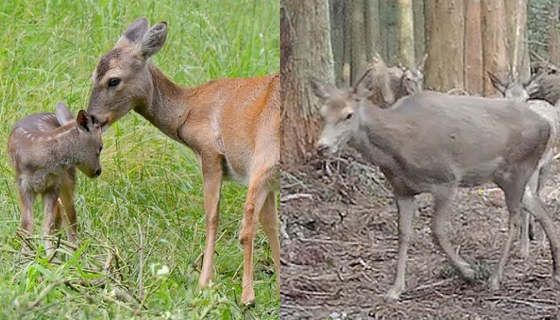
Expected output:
{"points": [[166, 105], [380, 136]]}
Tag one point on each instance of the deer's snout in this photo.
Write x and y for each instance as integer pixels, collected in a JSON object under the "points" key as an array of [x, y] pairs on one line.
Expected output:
{"points": [[324, 149], [97, 172]]}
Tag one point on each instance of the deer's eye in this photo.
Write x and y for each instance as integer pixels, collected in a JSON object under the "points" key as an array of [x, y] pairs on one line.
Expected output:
{"points": [[113, 82], [348, 116]]}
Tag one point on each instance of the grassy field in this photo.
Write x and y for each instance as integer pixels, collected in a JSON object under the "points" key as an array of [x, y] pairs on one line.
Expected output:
{"points": [[143, 218]]}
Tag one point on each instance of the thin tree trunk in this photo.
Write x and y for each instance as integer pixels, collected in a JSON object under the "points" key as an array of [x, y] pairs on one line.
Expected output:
{"points": [[419, 29], [516, 16], [406, 33], [359, 59], [445, 23], [494, 41], [474, 71], [337, 18], [553, 46], [305, 34], [388, 21], [373, 34]]}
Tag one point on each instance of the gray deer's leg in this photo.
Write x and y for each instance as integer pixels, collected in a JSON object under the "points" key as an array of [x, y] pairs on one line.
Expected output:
{"points": [[442, 200], [533, 203], [513, 192], [406, 209]]}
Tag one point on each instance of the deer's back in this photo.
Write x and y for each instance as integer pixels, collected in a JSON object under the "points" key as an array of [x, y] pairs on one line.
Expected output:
{"points": [[29, 153], [440, 138], [243, 124]]}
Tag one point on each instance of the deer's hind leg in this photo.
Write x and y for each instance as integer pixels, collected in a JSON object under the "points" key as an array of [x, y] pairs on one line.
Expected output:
{"points": [[533, 203], [259, 189], [514, 191], [269, 222], [51, 222], [26, 200], [442, 201]]}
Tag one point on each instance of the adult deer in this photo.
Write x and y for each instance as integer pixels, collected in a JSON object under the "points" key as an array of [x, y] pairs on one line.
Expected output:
{"points": [[232, 125], [44, 149], [436, 143], [517, 90]]}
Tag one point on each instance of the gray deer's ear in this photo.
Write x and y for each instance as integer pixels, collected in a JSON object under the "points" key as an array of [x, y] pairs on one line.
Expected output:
{"points": [[321, 90], [533, 85], [152, 41], [133, 33], [84, 121], [63, 114], [497, 83]]}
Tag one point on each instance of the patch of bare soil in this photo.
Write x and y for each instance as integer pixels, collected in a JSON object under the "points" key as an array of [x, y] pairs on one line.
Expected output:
{"points": [[339, 251]]}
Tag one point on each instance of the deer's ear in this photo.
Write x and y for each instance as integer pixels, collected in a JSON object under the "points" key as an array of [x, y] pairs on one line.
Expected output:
{"points": [[84, 121], [133, 33], [532, 85], [497, 83], [152, 41], [420, 65], [321, 90], [63, 114]]}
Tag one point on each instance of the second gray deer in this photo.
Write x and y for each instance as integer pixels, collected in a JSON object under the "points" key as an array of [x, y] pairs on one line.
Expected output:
{"points": [[44, 149], [517, 90], [434, 142]]}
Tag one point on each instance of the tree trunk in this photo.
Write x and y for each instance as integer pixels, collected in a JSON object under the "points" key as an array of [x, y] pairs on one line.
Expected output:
{"points": [[445, 23], [305, 35], [359, 60], [494, 41], [337, 18], [388, 21], [474, 71], [553, 45], [419, 37], [516, 16], [406, 33], [373, 34], [347, 43]]}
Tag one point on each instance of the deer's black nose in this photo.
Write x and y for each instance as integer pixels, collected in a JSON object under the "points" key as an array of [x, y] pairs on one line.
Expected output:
{"points": [[98, 172], [323, 149]]}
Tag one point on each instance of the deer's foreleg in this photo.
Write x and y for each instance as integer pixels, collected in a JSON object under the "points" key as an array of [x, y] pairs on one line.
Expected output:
{"points": [[67, 199], [212, 175]]}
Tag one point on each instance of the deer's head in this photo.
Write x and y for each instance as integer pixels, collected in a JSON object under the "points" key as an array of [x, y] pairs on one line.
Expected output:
{"points": [[122, 80]]}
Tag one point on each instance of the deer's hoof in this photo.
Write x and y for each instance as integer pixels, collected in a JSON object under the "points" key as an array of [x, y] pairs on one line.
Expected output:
{"points": [[468, 273], [556, 278], [248, 297], [393, 294], [494, 283]]}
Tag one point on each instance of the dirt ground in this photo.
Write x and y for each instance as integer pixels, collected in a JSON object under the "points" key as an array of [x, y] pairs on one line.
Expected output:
{"points": [[339, 251]]}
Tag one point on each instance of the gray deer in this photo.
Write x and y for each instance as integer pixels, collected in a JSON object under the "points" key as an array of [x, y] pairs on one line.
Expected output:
{"points": [[434, 142], [517, 90], [44, 149]]}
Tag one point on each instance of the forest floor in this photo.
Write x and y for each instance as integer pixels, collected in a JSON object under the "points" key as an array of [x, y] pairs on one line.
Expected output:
{"points": [[339, 251]]}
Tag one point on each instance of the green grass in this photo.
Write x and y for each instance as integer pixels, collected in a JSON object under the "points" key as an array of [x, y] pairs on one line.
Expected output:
{"points": [[147, 206]]}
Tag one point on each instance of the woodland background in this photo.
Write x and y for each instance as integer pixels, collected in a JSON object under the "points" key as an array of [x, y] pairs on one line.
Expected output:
{"points": [[335, 40]]}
